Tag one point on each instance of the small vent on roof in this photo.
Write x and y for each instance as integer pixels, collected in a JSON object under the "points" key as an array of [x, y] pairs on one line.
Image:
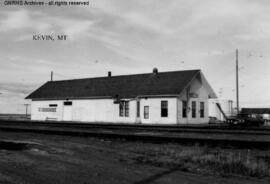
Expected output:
{"points": [[155, 71], [109, 73]]}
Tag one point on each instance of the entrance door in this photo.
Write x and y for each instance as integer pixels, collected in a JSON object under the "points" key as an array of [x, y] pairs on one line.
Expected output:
{"points": [[67, 111], [138, 116]]}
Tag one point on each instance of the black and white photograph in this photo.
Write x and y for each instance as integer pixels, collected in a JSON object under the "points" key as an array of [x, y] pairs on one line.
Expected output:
{"points": [[134, 91]]}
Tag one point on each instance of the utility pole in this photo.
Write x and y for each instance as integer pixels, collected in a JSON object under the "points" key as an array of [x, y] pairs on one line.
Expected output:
{"points": [[51, 75], [237, 85]]}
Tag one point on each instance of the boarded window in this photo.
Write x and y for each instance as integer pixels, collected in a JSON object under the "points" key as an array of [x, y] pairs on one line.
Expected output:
{"points": [[193, 109], [138, 109], [184, 109], [202, 109], [146, 112], [164, 108], [68, 103]]}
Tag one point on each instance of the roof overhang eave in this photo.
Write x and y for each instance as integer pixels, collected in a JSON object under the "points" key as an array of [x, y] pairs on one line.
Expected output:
{"points": [[70, 98], [103, 97], [157, 96]]}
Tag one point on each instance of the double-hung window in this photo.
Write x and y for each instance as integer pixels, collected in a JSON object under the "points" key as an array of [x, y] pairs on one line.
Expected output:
{"points": [[164, 108], [202, 109], [124, 108], [126, 105]]}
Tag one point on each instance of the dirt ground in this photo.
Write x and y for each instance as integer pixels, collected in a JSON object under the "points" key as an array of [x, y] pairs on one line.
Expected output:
{"points": [[65, 159]]}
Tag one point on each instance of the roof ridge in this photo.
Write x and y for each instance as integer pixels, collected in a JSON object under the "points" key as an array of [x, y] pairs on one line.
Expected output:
{"points": [[124, 75]]}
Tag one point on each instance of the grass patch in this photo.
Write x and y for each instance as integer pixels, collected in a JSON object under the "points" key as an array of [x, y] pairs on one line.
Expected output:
{"points": [[205, 160]]}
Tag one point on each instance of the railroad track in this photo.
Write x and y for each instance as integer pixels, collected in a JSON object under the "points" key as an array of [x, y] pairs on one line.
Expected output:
{"points": [[213, 135], [138, 127]]}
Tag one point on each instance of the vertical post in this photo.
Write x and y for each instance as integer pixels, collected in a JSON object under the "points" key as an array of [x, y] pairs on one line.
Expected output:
{"points": [[237, 85], [51, 75], [26, 109], [187, 105]]}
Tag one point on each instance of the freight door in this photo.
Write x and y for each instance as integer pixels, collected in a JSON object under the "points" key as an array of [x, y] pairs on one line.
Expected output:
{"points": [[67, 111]]}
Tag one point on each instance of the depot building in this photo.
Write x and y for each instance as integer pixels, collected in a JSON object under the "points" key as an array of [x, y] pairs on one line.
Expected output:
{"points": [[175, 97]]}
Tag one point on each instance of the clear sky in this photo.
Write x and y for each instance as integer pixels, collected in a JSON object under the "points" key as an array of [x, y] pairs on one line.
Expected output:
{"points": [[134, 36]]}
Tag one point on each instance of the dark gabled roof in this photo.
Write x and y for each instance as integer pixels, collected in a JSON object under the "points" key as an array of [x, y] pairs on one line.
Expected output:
{"points": [[255, 110], [125, 86]]}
